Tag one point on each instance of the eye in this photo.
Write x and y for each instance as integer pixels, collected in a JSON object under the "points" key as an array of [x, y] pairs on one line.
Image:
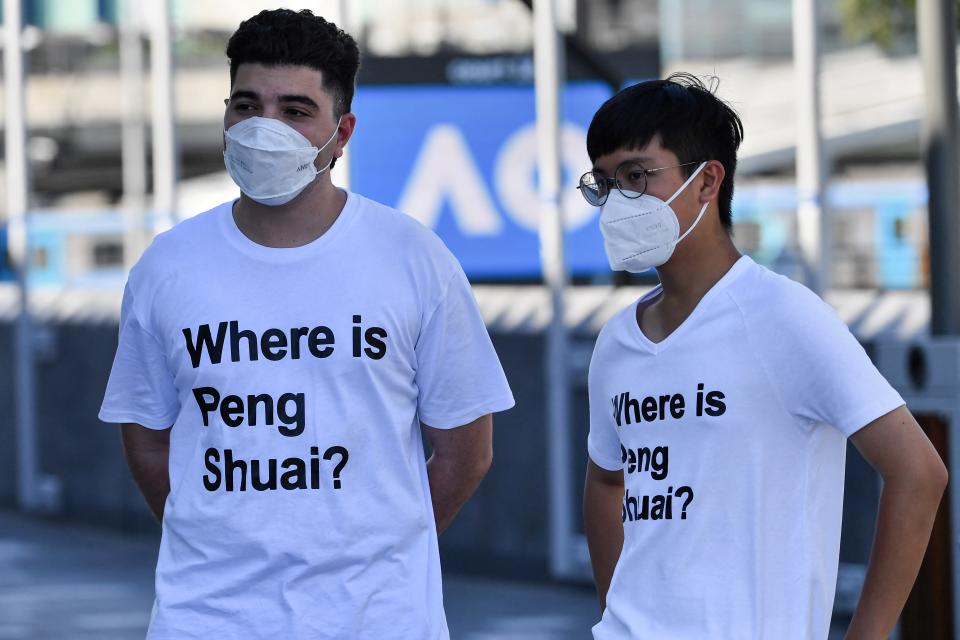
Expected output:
{"points": [[631, 175], [297, 113]]}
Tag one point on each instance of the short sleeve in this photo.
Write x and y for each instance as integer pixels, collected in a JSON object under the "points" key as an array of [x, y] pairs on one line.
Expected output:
{"points": [[603, 441], [459, 376], [140, 388], [821, 372]]}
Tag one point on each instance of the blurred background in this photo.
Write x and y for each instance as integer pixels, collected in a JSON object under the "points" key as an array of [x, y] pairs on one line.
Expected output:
{"points": [[472, 117]]}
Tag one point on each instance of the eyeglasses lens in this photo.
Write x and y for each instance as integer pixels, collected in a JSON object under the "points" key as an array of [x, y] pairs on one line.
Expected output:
{"points": [[631, 180], [594, 191]]}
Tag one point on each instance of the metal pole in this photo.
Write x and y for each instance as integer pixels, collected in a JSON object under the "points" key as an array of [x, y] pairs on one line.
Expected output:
{"points": [[164, 140], [813, 225], [18, 202], [549, 77], [936, 21], [339, 14], [672, 30], [134, 146], [936, 32]]}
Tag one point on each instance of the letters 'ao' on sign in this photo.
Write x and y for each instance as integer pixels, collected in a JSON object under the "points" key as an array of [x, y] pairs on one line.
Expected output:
{"points": [[463, 160]]}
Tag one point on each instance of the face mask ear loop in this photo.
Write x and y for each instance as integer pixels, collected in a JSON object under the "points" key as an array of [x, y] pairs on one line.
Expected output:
{"points": [[332, 136], [703, 210], [325, 167], [687, 183]]}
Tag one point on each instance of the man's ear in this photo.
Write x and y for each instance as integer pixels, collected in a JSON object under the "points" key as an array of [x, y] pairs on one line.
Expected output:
{"points": [[348, 123], [713, 175]]}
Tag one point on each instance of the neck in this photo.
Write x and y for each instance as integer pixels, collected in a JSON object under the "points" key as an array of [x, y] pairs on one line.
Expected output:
{"points": [[296, 223], [687, 279]]}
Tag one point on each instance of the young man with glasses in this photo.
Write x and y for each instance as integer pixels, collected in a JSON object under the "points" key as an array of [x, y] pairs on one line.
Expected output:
{"points": [[281, 358], [720, 407]]}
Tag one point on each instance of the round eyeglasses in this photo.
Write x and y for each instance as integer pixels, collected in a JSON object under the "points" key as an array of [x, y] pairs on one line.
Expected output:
{"points": [[630, 179]]}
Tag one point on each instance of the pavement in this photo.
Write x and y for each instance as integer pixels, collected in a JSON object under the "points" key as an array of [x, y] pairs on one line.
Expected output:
{"points": [[62, 581]]}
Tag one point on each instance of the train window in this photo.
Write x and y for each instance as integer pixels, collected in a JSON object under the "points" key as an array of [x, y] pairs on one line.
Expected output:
{"points": [[108, 254], [41, 258]]}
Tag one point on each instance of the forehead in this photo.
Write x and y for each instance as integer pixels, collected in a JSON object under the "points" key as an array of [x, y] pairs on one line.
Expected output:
{"points": [[273, 81], [651, 156]]}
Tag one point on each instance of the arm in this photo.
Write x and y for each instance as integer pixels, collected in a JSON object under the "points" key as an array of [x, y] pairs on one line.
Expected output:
{"points": [[147, 452], [602, 504], [461, 458], [914, 479]]}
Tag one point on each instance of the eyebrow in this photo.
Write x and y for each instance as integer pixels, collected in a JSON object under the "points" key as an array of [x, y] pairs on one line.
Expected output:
{"points": [[301, 99], [244, 94], [252, 95], [642, 160]]}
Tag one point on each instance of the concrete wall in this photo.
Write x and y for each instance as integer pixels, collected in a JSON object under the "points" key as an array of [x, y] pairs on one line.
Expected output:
{"points": [[75, 446]]}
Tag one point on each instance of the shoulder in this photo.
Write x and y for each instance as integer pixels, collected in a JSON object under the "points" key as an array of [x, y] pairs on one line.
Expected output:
{"points": [[186, 235], [766, 297], [390, 220], [613, 343], [616, 330], [168, 251], [784, 319], [392, 231]]}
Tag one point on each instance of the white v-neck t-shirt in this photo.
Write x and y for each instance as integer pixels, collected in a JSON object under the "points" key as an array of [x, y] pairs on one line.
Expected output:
{"points": [[295, 381], [731, 434]]}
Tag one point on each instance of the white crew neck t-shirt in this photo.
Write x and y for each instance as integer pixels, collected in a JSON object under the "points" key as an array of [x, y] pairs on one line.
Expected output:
{"points": [[295, 381], [731, 434]]}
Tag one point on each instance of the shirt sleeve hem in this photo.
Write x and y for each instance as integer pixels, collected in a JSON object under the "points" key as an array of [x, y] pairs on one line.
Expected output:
{"points": [[867, 415], [458, 420], [150, 422], [602, 461]]}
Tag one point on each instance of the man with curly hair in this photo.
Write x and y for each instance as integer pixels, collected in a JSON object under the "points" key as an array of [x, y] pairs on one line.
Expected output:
{"points": [[281, 358]]}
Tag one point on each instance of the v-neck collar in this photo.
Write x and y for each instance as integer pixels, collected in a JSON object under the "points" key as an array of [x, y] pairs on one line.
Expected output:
{"points": [[738, 267]]}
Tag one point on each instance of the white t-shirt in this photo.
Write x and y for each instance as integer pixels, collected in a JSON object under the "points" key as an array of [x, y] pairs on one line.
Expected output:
{"points": [[731, 434], [295, 380]]}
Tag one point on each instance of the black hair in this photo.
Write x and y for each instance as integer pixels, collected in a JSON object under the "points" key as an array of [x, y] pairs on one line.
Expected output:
{"points": [[282, 37], [689, 119]]}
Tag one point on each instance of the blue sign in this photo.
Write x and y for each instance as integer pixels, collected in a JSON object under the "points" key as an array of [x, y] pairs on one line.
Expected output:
{"points": [[6, 273], [463, 160]]}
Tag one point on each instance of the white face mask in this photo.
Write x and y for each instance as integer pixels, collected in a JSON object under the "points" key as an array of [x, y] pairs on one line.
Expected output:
{"points": [[641, 233], [270, 161]]}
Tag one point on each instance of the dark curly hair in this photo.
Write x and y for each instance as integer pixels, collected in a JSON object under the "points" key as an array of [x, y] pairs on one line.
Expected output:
{"points": [[690, 120], [283, 37]]}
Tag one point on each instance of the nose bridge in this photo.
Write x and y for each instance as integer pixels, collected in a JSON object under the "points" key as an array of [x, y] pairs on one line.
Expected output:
{"points": [[271, 109], [270, 106]]}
